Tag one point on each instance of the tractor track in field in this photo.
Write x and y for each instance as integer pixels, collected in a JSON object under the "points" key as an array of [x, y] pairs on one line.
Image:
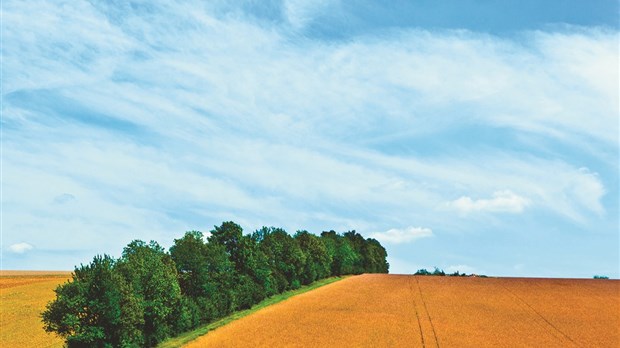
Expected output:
{"points": [[417, 315], [427, 313], [555, 328]]}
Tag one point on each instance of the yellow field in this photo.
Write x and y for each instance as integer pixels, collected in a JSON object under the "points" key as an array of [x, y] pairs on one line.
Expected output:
{"points": [[380, 311], [411, 311], [23, 295]]}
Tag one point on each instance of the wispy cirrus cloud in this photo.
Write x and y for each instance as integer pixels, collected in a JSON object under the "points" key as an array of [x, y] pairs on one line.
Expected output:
{"points": [[159, 118]]}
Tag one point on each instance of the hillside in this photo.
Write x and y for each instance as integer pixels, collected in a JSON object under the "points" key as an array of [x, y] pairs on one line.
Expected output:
{"points": [[23, 295], [406, 311], [381, 311]]}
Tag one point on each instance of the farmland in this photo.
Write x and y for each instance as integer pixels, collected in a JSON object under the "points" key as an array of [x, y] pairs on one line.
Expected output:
{"points": [[23, 295], [406, 311], [375, 310]]}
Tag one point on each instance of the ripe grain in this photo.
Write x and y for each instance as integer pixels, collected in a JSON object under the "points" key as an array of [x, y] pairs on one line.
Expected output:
{"points": [[23, 296], [413, 311]]}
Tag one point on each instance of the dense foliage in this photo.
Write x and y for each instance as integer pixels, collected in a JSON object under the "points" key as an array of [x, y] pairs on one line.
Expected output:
{"points": [[149, 294]]}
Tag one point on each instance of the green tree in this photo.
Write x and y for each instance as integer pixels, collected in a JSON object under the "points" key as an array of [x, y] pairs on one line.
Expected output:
{"points": [[95, 308], [190, 257], [343, 255], [252, 279], [286, 259], [229, 234], [375, 257], [254, 263], [318, 261], [346, 257], [153, 277], [199, 267], [358, 243]]}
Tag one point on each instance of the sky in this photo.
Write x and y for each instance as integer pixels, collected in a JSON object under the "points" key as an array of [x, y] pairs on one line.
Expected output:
{"points": [[475, 135]]}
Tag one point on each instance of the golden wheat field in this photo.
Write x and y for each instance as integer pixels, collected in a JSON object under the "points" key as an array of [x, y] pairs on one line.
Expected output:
{"points": [[380, 311], [23, 295], [413, 311]]}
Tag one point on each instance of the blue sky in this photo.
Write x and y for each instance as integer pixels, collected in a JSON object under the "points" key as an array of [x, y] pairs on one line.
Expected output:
{"points": [[476, 135]]}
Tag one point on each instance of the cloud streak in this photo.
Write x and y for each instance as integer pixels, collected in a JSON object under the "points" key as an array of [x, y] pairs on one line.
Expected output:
{"points": [[504, 201], [400, 236], [161, 118]]}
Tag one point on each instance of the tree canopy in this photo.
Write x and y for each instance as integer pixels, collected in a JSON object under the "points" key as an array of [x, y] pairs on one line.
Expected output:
{"points": [[150, 294]]}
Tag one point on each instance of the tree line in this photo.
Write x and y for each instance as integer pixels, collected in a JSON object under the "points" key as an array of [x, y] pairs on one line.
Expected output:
{"points": [[440, 272], [148, 294]]}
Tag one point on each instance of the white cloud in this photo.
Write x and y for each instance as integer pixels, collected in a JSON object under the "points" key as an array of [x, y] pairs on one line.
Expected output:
{"points": [[20, 248], [502, 202], [400, 236]]}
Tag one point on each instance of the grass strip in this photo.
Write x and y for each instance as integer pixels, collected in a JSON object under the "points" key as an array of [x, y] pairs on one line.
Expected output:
{"points": [[184, 338]]}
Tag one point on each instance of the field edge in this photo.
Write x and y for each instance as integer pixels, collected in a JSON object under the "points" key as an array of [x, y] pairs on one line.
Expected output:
{"points": [[189, 336]]}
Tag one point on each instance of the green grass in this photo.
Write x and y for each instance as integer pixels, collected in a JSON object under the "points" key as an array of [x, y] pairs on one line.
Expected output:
{"points": [[194, 334]]}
